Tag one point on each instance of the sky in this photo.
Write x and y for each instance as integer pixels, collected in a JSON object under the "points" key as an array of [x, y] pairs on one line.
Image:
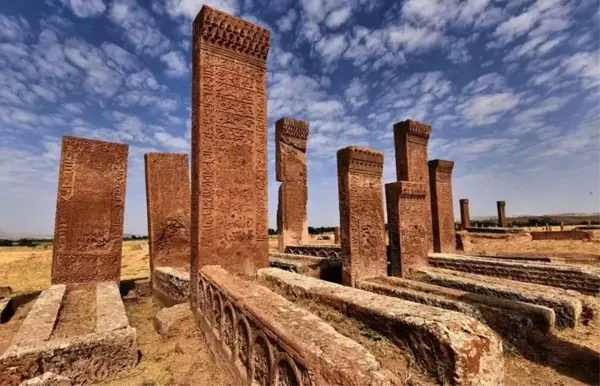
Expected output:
{"points": [[511, 89]]}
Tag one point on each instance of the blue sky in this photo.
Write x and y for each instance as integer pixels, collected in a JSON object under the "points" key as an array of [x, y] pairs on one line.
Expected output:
{"points": [[511, 89]]}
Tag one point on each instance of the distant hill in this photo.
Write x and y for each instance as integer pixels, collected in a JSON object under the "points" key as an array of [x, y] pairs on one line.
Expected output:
{"points": [[17, 236]]}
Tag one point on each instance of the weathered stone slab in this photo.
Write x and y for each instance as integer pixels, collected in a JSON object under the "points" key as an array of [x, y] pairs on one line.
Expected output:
{"points": [[88, 231], [331, 251], [501, 206], [463, 241], [110, 311], [336, 235], [409, 232], [456, 346], [442, 207], [171, 286], [465, 218], [291, 136], [167, 320], [329, 269], [83, 359], [269, 340], [508, 316], [168, 207], [568, 308], [47, 379], [229, 143], [39, 323], [579, 278], [361, 213], [561, 235]]}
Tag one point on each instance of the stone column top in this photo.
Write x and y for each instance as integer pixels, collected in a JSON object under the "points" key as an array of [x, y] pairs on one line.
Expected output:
{"points": [[464, 200], [441, 166], [361, 159], [221, 29], [501, 203], [409, 188], [415, 130], [291, 127], [121, 148]]}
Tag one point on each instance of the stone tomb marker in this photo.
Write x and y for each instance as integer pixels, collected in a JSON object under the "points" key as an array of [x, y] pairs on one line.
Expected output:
{"points": [[409, 235], [88, 231], [362, 226], [410, 143], [502, 223], [168, 207], [442, 210], [465, 219], [291, 136], [229, 144]]}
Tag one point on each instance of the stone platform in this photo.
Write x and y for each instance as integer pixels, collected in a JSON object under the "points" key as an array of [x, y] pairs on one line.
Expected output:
{"points": [[325, 268], [38, 348]]}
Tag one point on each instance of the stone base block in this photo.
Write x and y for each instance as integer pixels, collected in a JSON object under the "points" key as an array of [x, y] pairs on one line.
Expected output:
{"points": [[329, 269], [170, 286], [87, 358], [268, 340], [583, 279], [561, 235], [455, 346]]}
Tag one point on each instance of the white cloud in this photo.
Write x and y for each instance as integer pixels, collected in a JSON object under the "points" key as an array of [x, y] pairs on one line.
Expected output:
{"points": [[175, 62], [139, 27], [331, 47], [356, 93], [413, 38], [85, 8], [190, 8], [13, 28], [338, 17], [286, 22], [487, 109]]}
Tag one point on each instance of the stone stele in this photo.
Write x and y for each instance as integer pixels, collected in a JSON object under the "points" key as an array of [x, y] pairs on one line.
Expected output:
{"points": [[442, 210], [409, 234], [361, 214], [168, 205], [229, 143], [291, 136], [501, 205], [88, 232]]}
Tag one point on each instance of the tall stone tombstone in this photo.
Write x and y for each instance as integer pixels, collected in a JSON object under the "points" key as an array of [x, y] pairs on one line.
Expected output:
{"points": [[409, 234], [336, 235], [362, 226], [291, 136], [410, 143], [229, 144], [88, 230], [442, 211], [501, 205], [168, 207], [465, 218]]}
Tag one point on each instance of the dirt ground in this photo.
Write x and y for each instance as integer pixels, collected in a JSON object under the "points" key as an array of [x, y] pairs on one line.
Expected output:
{"points": [[569, 357]]}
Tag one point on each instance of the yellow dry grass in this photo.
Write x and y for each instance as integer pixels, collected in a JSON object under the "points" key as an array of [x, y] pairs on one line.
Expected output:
{"points": [[28, 269]]}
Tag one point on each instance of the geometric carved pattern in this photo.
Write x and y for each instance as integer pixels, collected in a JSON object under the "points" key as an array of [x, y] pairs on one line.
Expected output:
{"points": [[88, 232], [331, 251], [259, 355], [442, 211], [290, 168], [362, 226], [168, 208], [229, 144]]}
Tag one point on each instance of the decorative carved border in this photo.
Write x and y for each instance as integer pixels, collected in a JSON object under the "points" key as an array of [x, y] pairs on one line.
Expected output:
{"points": [[413, 130], [315, 250], [363, 160], [441, 166], [258, 355]]}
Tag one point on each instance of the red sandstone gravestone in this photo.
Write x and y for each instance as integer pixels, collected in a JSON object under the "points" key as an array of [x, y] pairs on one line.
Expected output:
{"points": [[410, 143], [229, 143], [168, 207], [465, 218], [362, 228], [442, 211], [88, 231], [290, 164], [501, 205], [409, 234]]}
